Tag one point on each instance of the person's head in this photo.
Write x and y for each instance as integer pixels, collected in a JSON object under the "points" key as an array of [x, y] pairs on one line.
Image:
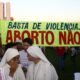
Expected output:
{"points": [[35, 54], [10, 45], [11, 57], [19, 44], [14, 62], [31, 58], [27, 42]]}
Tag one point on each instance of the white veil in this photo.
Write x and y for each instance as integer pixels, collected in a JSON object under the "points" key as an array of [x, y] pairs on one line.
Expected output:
{"points": [[9, 54], [36, 52]]}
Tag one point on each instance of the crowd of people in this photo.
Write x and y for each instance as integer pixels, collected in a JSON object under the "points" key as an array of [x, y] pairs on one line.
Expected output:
{"points": [[63, 52], [23, 61]]}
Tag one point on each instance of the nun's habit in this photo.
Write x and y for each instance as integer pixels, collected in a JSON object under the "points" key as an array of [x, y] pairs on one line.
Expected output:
{"points": [[43, 70], [5, 68]]}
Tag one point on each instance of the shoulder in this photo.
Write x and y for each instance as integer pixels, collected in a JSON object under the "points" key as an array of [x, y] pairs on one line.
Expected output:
{"points": [[44, 65], [48, 66]]}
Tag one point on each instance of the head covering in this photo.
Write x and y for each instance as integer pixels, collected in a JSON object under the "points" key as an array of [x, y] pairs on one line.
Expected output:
{"points": [[41, 68], [18, 40], [9, 54], [36, 52]]}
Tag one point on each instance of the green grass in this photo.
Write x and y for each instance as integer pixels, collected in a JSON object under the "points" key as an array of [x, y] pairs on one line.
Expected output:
{"points": [[67, 73]]}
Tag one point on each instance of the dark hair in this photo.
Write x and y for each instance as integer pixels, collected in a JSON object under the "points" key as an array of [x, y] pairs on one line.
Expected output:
{"points": [[28, 40], [9, 45]]}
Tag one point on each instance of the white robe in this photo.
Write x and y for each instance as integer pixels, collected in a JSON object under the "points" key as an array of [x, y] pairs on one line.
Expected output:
{"points": [[18, 75], [41, 71]]}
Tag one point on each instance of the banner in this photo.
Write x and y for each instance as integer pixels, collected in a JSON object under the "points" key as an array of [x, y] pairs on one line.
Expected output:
{"points": [[42, 33]]}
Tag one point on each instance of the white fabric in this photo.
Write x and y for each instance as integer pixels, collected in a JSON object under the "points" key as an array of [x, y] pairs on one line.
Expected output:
{"points": [[9, 54], [18, 40], [77, 76], [19, 75], [42, 70], [2, 76], [37, 53], [23, 59], [6, 68]]}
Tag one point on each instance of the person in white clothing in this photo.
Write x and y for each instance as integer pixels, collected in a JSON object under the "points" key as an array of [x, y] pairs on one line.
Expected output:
{"points": [[41, 68], [10, 67]]}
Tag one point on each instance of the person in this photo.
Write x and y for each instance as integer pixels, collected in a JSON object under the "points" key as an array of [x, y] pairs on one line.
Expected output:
{"points": [[19, 44], [41, 68], [10, 45], [10, 65], [73, 57], [60, 53], [27, 42]]}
